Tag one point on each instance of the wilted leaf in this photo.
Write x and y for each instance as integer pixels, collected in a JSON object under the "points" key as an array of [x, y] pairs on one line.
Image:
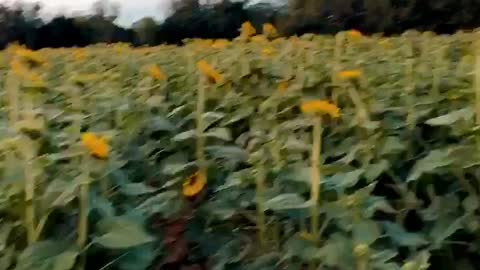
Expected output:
{"points": [[120, 233]]}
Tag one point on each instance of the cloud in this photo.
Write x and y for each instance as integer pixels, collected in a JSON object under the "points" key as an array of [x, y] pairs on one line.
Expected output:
{"points": [[131, 10]]}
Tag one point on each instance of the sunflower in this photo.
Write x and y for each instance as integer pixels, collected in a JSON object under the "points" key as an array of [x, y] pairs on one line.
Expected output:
{"points": [[97, 146], [80, 55], [207, 70], [350, 74], [269, 30], [268, 51], [247, 30], [194, 184], [31, 57], [282, 86], [354, 34], [320, 107], [156, 73], [220, 44]]}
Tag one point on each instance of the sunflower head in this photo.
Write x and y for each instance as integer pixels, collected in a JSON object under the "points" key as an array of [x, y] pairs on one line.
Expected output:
{"points": [[156, 73], [97, 146], [247, 30], [220, 44], [79, 55], [194, 184], [350, 74], [31, 57], [208, 71], [354, 35], [320, 107], [282, 86], [269, 30]]}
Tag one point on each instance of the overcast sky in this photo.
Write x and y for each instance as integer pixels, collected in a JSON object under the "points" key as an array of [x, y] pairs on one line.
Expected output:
{"points": [[131, 10]]}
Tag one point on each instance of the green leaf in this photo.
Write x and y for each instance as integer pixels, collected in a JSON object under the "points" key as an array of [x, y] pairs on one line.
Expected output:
{"points": [[219, 133], [230, 156], [5, 229], [65, 261], [471, 203], [240, 114], [465, 114], [6, 259], [139, 258], [120, 233], [183, 136], [286, 201], [136, 189], [402, 237], [160, 123], [165, 203], [59, 192], [373, 171], [212, 117], [349, 179], [392, 145], [47, 255], [444, 228], [374, 204], [366, 232], [429, 164], [175, 164]]}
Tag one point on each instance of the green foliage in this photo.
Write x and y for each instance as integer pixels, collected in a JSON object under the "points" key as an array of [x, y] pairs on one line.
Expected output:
{"points": [[398, 169]]}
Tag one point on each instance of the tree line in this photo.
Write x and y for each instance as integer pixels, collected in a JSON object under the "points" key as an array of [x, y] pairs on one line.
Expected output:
{"points": [[192, 19]]}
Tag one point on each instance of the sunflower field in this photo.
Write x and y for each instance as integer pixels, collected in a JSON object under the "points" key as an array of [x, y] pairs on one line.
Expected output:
{"points": [[261, 153]]}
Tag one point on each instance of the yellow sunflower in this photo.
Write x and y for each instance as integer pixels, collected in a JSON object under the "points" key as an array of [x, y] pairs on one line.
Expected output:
{"points": [[97, 146], [156, 73], [269, 30], [354, 34], [194, 184], [32, 57], [247, 30], [320, 107], [220, 44], [350, 74], [282, 86], [208, 71]]}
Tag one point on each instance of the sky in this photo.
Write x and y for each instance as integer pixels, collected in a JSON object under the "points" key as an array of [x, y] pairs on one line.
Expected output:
{"points": [[131, 10]]}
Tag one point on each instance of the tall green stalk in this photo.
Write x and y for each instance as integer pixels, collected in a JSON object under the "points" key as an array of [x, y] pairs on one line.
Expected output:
{"points": [[200, 128], [410, 93], [83, 197], [315, 176], [260, 205]]}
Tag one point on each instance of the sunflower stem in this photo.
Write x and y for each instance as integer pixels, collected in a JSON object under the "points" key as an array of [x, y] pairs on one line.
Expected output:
{"points": [[315, 176], [410, 92], [200, 138], [337, 53], [260, 201], [83, 209]]}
